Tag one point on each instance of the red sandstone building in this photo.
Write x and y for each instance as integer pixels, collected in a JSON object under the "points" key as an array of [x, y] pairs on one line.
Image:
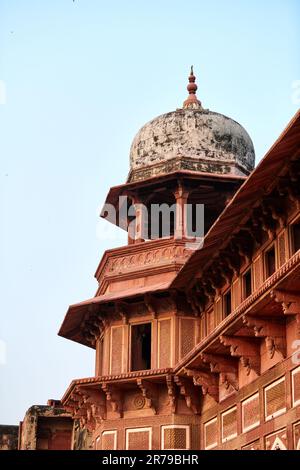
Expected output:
{"points": [[197, 349]]}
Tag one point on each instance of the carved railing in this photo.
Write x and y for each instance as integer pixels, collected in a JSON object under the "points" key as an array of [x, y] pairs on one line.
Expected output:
{"points": [[154, 255]]}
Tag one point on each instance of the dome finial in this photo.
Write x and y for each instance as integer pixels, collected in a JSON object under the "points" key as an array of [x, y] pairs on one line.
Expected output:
{"points": [[192, 101]]}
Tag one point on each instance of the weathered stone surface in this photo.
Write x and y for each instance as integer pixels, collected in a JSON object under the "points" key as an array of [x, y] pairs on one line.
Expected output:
{"points": [[46, 427], [82, 438], [201, 140], [8, 437]]}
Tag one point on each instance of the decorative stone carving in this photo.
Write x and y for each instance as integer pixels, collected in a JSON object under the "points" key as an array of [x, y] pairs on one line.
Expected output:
{"points": [[206, 380], [114, 397], [227, 368], [219, 144], [187, 389], [146, 258], [148, 300], [290, 302], [139, 402], [245, 349], [273, 332], [148, 393], [171, 393]]}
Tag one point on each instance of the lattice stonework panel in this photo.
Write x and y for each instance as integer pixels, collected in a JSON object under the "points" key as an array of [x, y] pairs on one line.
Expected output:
{"points": [[253, 446], [296, 386], [138, 439], [218, 311], [175, 437], [258, 272], [202, 326], [281, 249], [250, 413], [109, 440], [210, 321], [276, 440], [236, 294], [187, 336], [229, 424], [211, 434], [296, 432], [164, 354], [116, 350], [275, 400]]}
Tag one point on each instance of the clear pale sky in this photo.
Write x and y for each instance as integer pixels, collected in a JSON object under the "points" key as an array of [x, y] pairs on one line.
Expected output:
{"points": [[81, 78]]}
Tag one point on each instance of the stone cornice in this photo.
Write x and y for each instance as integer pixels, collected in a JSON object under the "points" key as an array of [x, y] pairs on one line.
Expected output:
{"points": [[286, 269], [126, 377], [133, 260]]}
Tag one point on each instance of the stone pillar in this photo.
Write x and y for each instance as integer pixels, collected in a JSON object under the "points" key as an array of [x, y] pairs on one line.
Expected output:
{"points": [[136, 227], [139, 222], [181, 196]]}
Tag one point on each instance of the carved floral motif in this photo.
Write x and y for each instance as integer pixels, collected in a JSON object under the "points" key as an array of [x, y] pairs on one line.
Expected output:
{"points": [[147, 258]]}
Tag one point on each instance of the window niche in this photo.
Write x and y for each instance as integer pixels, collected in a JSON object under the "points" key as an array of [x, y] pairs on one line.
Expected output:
{"points": [[295, 232], [247, 284], [141, 346], [270, 261], [227, 304]]}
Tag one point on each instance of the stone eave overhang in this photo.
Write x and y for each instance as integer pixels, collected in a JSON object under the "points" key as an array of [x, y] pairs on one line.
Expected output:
{"points": [[128, 188], [136, 249], [77, 313], [126, 378], [238, 210], [283, 279], [182, 163]]}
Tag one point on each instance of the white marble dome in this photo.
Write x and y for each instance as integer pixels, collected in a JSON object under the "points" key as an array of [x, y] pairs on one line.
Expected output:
{"points": [[191, 138]]}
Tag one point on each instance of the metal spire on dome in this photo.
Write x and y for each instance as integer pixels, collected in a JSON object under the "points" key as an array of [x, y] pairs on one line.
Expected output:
{"points": [[192, 102]]}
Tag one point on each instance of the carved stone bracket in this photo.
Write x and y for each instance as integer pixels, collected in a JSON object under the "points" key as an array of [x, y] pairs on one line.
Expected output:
{"points": [[81, 409], [246, 350], [171, 393], [287, 187], [242, 245], [263, 218], [209, 291], [95, 400], [114, 397], [89, 337], [93, 324], [227, 272], [90, 420], [232, 261], [148, 301], [149, 392], [273, 332], [276, 207], [255, 233], [227, 368], [81, 415], [76, 397], [290, 302], [206, 380], [121, 311], [187, 389], [173, 298], [194, 302]]}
